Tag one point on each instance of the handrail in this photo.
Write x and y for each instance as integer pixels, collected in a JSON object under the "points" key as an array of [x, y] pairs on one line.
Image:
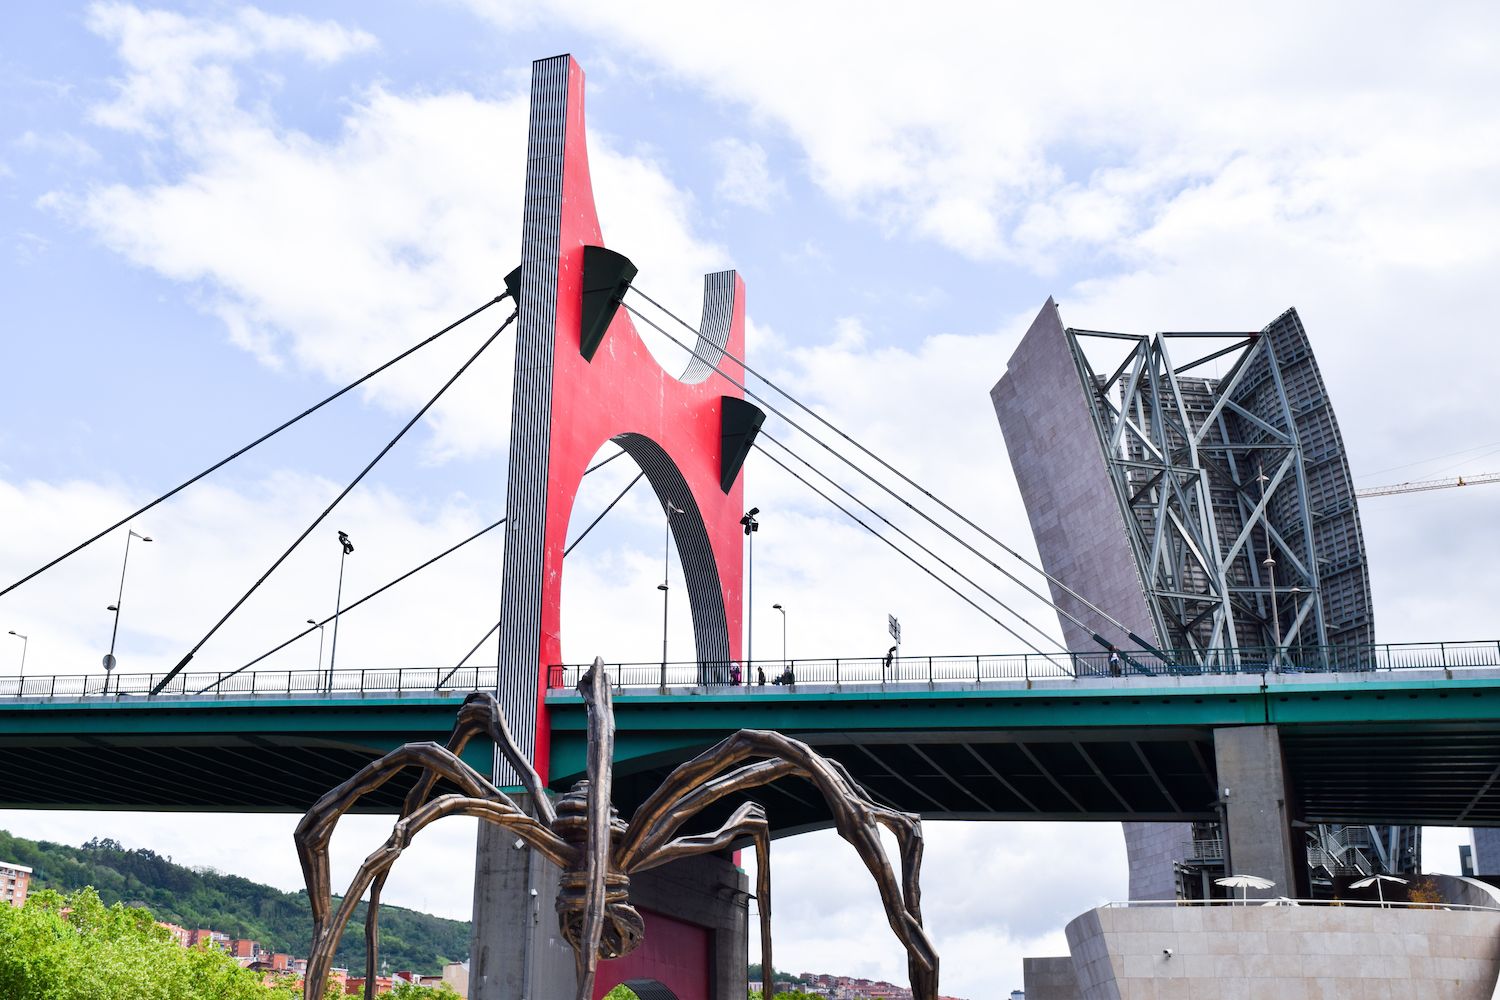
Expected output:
{"points": [[355, 683], [982, 668], [1389, 904], [904, 671]]}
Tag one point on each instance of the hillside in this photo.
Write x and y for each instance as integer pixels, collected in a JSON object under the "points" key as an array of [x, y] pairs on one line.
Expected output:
{"points": [[281, 921]]}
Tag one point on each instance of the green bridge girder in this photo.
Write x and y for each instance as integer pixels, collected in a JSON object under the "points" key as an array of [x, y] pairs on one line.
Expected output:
{"points": [[1377, 748]]}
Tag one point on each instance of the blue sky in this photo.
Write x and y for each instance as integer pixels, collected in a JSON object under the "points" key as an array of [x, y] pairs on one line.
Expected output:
{"points": [[211, 215]]}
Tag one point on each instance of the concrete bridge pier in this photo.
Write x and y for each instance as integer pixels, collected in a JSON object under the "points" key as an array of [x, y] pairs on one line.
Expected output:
{"points": [[696, 944], [1258, 834]]}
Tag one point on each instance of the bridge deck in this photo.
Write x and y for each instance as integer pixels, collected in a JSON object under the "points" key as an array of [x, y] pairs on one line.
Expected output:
{"points": [[1411, 746]]}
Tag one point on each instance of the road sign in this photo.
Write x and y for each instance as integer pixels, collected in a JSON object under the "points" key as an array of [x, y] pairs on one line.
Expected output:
{"points": [[895, 628]]}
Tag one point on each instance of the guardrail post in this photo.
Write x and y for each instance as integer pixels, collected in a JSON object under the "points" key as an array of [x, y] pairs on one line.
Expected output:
{"points": [[1443, 652], [838, 683], [929, 671], [977, 678], [400, 671]]}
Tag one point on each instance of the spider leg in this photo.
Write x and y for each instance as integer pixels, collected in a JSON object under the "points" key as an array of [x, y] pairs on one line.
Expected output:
{"points": [[643, 841], [498, 810], [594, 686], [748, 820], [315, 831], [480, 715], [856, 816]]}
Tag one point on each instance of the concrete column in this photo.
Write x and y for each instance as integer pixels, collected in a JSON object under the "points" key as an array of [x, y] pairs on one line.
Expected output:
{"points": [[518, 951], [1258, 838]]}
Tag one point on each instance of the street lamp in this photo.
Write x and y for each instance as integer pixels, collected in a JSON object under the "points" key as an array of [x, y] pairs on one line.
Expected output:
{"points": [[319, 627], [24, 643], [109, 658], [666, 579], [784, 662], [751, 526], [348, 547]]}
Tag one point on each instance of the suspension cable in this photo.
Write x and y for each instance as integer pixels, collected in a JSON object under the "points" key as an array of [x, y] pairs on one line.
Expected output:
{"points": [[902, 476], [336, 500], [460, 664], [906, 555], [496, 627], [258, 441], [350, 607], [947, 565], [412, 572], [905, 502], [628, 487]]}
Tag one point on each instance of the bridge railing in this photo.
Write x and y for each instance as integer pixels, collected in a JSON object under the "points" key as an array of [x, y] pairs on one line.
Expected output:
{"points": [[1012, 667], [835, 671], [258, 682]]}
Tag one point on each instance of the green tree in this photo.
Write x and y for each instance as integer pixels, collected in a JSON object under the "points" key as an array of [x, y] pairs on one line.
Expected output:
{"points": [[411, 991], [202, 897], [76, 948]]}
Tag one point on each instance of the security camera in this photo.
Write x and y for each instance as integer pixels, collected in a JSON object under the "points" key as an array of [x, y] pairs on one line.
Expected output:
{"points": [[1166, 952]]}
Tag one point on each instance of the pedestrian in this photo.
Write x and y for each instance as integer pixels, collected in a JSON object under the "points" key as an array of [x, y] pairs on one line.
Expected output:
{"points": [[760, 676], [1114, 662], [734, 674]]}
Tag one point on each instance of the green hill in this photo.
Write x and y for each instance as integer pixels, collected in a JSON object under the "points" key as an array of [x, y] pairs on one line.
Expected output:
{"points": [[195, 898]]}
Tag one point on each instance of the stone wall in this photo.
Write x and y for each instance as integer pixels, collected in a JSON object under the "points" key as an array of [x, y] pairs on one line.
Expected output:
{"points": [[1284, 952], [1050, 979]]}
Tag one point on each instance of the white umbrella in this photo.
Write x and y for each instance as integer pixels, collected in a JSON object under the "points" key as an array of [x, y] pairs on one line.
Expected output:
{"points": [[1377, 879], [1244, 882], [1281, 901]]}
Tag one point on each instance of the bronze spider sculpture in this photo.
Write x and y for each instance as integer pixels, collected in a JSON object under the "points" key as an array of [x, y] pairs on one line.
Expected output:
{"points": [[597, 851]]}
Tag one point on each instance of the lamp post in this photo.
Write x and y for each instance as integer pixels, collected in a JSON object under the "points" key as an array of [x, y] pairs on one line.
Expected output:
{"points": [[666, 580], [319, 627], [1270, 564], [784, 662], [348, 548], [24, 643], [109, 658], [751, 526]]}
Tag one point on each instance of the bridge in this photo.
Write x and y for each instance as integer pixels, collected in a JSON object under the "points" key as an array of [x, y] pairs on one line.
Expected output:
{"points": [[1413, 737], [1245, 711]]}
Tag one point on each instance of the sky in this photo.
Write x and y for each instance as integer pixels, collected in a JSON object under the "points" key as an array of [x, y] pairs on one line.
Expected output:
{"points": [[213, 215]]}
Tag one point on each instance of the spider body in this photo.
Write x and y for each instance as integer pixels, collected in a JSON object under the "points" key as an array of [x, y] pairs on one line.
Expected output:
{"points": [[596, 850]]}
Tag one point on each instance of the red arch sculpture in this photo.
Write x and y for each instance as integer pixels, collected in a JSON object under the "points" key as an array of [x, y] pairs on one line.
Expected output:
{"points": [[566, 405]]}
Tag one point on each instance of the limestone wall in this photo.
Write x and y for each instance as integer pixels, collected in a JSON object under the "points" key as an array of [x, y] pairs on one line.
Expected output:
{"points": [[1285, 952]]}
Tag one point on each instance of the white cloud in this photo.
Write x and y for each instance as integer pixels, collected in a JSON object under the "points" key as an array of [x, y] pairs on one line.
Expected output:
{"points": [[1017, 131], [745, 177], [58, 145], [332, 256], [178, 65]]}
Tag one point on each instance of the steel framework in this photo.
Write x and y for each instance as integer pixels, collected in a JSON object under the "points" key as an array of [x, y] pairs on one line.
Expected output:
{"points": [[1231, 520]]}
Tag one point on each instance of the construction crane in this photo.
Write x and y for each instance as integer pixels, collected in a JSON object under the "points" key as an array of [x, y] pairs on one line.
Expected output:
{"points": [[1430, 484]]}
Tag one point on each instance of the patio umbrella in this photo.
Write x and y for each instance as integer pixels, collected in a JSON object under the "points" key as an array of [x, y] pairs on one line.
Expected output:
{"points": [[1281, 901], [1245, 883], [1377, 879]]}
